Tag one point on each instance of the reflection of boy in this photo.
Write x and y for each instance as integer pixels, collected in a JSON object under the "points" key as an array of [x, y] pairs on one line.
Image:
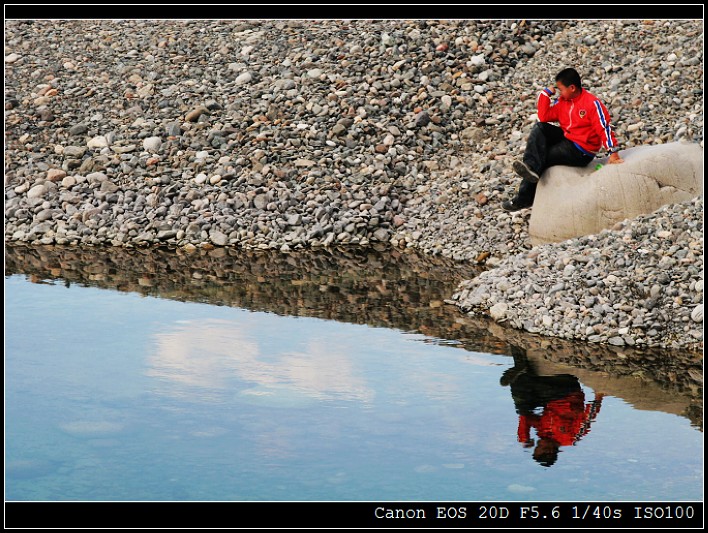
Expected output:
{"points": [[564, 417], [563, 422]]}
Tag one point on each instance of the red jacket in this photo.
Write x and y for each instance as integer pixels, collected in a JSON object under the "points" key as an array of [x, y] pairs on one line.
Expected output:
{"points": [[564, 421], [584, 120]]}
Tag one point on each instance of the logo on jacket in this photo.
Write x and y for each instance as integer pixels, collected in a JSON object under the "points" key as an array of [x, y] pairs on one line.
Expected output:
{"points": [[583, 113]]}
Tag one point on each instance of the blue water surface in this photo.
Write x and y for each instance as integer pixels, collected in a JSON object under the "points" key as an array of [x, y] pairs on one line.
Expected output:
{"points": [[116, 396]]}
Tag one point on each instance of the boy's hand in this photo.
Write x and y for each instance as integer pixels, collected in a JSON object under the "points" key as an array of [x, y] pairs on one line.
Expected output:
{"points": [[615, 158]]}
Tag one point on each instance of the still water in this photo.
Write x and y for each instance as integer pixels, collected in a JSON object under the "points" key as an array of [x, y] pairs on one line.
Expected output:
{"points": [[227, 376]]}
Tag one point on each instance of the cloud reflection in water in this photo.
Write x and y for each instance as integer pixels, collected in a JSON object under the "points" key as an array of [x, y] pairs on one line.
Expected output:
{"points": [[210, 359]]}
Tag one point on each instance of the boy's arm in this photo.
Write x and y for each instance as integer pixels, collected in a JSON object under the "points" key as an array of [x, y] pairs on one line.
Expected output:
{"points": [[601, 123], [545, 110]]}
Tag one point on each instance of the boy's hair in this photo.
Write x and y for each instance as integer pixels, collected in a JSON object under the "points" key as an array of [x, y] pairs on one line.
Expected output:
{"points": [[568, 77]]}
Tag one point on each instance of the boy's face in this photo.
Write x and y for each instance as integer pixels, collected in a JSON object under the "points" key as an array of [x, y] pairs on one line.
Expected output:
{"points": [[566, 92]]}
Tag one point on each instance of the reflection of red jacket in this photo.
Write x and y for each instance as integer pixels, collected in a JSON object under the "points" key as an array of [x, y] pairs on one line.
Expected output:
{"points": [[584, 120], [565, 421]]}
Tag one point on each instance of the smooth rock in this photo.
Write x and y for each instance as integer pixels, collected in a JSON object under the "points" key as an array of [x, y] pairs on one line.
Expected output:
{"points": [[382, 235], [260, 201], [498, 311], [97, 142], [572, 201], [422, 119], [616, 341], [314, 73], [243, 79], [74, 151], [194, 115], [697, 313], [152, 144], [173, 129], [55, 174], [218, 238], [37, 191], [78, 129]]}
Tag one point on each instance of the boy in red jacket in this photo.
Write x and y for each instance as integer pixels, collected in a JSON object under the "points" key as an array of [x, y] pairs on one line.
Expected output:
{"points": [[584, 130]]}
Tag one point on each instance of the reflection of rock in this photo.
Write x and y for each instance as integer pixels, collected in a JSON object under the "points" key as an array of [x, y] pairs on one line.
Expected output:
{"points": [[210, 355], [392, 290]]}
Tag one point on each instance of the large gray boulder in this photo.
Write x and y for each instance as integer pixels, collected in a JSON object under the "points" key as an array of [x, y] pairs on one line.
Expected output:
{"points": [[572, 201]]}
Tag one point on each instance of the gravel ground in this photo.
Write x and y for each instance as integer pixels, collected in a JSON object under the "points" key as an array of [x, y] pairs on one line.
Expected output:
{"points": [[639, 284], [295, 134]]}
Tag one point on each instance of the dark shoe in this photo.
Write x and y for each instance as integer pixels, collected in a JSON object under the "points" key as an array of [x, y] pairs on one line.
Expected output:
{"points": [[514, 205], [523, 170]]}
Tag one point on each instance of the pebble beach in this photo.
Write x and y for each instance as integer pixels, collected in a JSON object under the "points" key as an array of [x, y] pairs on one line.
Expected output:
{"points": [[285, 135]]}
